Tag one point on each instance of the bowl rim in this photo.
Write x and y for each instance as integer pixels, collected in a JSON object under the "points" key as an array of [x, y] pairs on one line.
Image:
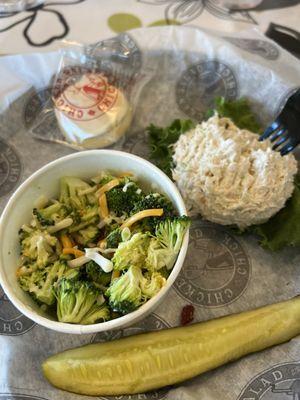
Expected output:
{"points": [[117, 323]]}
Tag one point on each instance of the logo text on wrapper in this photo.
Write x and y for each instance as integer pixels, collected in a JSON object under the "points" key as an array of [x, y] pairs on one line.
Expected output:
{"points": [[262, 48], [10, 168], [12, 322], [217, 268], [151, 323], [280, 382], [85, 95], [200, 84]]}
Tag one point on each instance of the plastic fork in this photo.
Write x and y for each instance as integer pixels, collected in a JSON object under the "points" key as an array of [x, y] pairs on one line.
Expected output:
{"points": [[284, 132]]}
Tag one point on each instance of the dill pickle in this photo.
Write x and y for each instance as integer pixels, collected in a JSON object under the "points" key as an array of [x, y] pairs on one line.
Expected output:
{"points": [[152, 360]]}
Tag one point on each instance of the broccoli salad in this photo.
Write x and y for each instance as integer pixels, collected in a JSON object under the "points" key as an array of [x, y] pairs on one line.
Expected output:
{"points": [[100, 250]]}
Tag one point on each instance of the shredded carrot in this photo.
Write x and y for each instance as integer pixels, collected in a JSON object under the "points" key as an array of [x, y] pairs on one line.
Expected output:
{"points": [[66, 241], [155, 212], [75, 252], [114, 275], [108, 186], [103, 206]]}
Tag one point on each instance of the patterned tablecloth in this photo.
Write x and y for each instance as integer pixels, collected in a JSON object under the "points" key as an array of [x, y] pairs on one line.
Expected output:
{"points": [[92, 20], [223, 273]]}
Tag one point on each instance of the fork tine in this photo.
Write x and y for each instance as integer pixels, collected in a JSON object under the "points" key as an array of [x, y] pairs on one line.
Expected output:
{"points": [[278, 133], [287, 148], [279, 142], [270, 129]]}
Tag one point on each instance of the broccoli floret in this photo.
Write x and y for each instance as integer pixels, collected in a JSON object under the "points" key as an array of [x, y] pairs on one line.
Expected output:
{"points": [[51, 214], [102, 178], [96, 313], [122, 202], [171, 231], [151, 284], [158, 256], [89, 234], [133, 252], [57, 215], [113, 239], [75, 215], [117, 236], [38, 246], [164, 248], [154, 200], [79, 302], [125, 293], [164, 272], [40, 283], [41, 218], [96, 274], [105, 179], [132, 289], [88, 215], [75, 193], [24, 233]]}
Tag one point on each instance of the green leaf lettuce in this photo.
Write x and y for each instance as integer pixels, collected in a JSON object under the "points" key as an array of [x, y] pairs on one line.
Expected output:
{"points": [[283, 229]]}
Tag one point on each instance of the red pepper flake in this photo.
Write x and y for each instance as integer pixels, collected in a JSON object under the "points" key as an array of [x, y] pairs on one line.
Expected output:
{"points": [[187, 314]]}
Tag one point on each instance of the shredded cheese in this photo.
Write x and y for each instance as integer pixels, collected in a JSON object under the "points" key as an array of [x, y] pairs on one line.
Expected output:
{"points": [[108, 186], [155, 212], [103, 206]]}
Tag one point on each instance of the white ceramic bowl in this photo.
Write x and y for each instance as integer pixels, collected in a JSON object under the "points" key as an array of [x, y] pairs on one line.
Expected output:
{"points": [[46, 181]]}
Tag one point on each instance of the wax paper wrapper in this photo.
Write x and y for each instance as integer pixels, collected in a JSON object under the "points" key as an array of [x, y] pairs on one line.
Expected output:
{"points": [[186, 69], [91, 96]]}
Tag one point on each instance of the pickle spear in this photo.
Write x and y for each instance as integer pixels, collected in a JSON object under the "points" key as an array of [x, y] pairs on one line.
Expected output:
{"points": [[152, 360]]}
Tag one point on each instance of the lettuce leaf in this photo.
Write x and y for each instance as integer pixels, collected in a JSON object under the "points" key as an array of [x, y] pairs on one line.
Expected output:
{"points": [[239, 111], [283, 229], [161, 139]]}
